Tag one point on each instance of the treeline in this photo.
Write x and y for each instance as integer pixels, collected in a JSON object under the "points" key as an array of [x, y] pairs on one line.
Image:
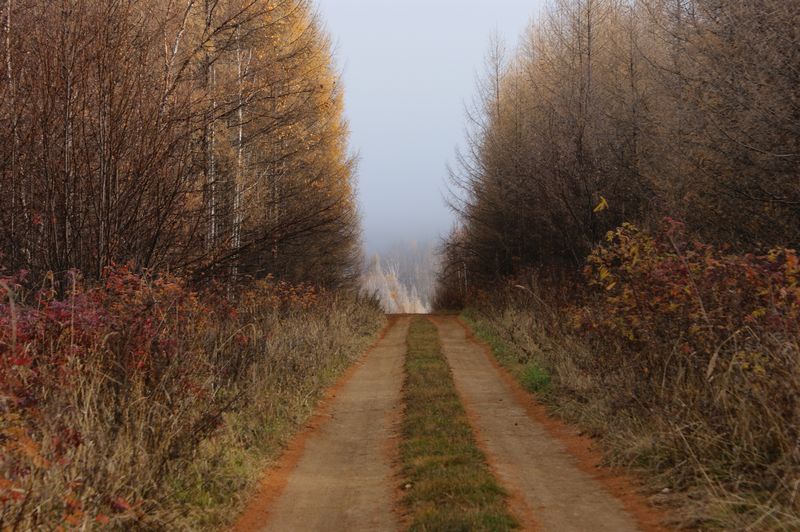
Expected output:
{"points": [[203, 137], [630, 110]]}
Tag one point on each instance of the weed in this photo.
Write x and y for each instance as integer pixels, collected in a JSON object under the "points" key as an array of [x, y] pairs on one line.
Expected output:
{"points": [[450, 485], [535, 379], [526, 365]]}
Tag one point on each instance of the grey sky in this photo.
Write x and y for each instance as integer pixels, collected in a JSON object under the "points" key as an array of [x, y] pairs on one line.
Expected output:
{"points": [[409, 68]]}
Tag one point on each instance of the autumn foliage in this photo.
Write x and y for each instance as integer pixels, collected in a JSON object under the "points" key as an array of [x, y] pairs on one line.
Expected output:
{"points": [[177, 197], [202, 145], [710, 340], [206, 137], [611, 112], [110, 390], [670, 290]]}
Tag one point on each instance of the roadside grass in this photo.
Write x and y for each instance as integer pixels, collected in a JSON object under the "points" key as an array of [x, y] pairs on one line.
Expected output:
{"points": [[449, 486], [221, 480], [155, 407], [522, 341], [544, 363], [525, 367]]}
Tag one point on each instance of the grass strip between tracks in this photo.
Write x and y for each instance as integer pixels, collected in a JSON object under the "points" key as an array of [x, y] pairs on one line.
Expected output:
{"points": [[447, 482]]}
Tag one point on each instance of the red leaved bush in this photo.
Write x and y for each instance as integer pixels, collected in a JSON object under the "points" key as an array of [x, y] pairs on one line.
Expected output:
{"points": [[666, 290], [710, 339], [66, 362], [108, 390]]}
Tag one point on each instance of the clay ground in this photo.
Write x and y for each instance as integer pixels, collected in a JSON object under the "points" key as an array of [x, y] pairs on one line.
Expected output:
{"points": [[339, 475]]}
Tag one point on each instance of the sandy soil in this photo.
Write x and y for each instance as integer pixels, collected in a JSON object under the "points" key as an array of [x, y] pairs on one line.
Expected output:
{"points": [[340, 477], [551, 489]]}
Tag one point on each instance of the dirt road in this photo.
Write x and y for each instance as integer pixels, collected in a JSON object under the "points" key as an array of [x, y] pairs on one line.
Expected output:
{"points": [[344, 478], [340, 476], [549, 490]]}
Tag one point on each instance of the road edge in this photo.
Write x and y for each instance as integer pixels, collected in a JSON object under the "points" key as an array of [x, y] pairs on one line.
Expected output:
{"points": [[582, 449], [275, 477]]}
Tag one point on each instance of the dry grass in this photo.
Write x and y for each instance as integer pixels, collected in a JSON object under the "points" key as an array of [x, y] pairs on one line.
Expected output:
{"points": [[143, 406], [450, 485], [721, 470], [683, 357]]}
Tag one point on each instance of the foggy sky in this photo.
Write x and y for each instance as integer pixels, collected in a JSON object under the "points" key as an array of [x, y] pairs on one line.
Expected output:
{"points": [[409, 68]]}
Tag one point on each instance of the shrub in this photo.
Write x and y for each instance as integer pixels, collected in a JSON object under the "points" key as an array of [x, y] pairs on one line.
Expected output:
{"points": [[110, 393], [710, 340]]}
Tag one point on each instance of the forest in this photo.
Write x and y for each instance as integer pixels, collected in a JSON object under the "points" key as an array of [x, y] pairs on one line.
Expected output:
{"points": [[629, 219], [188, 318]]}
